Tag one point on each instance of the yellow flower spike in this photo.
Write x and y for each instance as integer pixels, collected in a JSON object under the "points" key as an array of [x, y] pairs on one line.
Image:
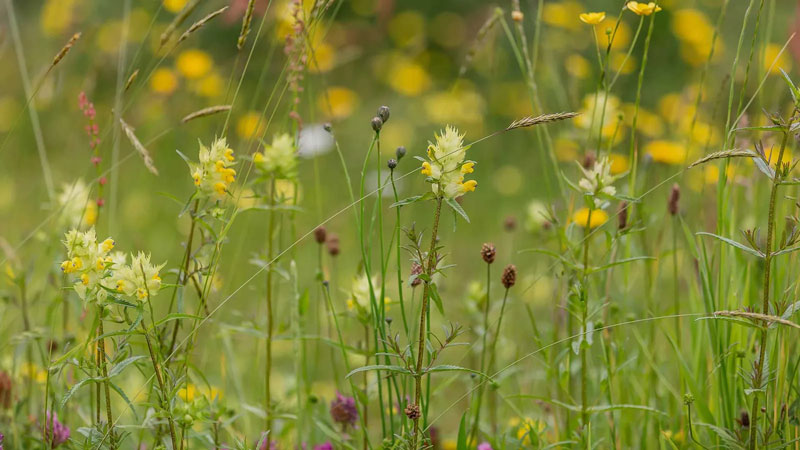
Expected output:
{"points": [[581, 217], [219, 166], [85, 279], [77, 263], [643, 9], [141, 294], [258, 157], [468, 168], [156, 277], [229, 154], [426, 168], [592, 18], [107, 245], [120, 285], [220, 188], [469, 186], [197, 176], [100, 264]]}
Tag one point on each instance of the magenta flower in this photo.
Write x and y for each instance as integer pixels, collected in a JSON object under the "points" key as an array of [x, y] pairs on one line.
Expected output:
{"points": [[485, 446], [325, 446]]}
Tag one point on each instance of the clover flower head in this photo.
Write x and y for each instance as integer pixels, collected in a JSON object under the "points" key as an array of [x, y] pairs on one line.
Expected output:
{"points": [[55, 432], [213, 175], [343, 410], [89, 262], [278, 158], [446, 166]]}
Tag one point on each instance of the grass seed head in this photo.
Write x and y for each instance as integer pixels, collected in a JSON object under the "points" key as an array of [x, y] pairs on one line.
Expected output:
{"points": [[488, 252]]}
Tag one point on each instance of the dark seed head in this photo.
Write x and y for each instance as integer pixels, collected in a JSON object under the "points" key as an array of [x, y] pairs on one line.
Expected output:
{"points": [[674, 198], [400, 152], [333, 244], [744, 419], [488, 252], [588, 160], [383, 113], [413, 412], [327, 127], [622, 215], [377, 123], [392, 163], [510, 223], [509, 277], [320, 234]]}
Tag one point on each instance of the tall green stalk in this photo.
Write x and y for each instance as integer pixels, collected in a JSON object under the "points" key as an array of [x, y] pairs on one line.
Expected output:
{"points": [[429, 269], [768, 255]]}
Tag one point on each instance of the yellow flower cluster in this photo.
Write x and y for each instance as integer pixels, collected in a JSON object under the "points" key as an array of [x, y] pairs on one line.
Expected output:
{"points": [[138, 279], [446, 166], [89, 262], [278, 159], [98, 271], [213, 175]]}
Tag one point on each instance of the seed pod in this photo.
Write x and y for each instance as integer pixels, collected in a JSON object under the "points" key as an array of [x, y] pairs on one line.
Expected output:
{"points": [[377, 123], [488, 252], [383, 113], [320, 234], [674, 198], [509, 277]]}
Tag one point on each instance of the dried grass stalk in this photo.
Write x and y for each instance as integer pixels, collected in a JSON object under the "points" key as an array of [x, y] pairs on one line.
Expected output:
{"points": [[148, 160], [757, 316], [65, 49], [131, 79], [248, 18], [206, 112], [542, 118], [178, 20], [200, 23], [736, 153]]}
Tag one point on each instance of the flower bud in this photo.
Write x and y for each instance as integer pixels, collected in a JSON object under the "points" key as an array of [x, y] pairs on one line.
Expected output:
{"points": [[377, 123], [622, 215], [392, 163], [400, 152], [517, 16], [383, 113]]}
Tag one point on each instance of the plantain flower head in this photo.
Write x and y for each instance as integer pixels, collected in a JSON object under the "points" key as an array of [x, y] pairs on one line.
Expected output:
{"points": [[446, 166]]}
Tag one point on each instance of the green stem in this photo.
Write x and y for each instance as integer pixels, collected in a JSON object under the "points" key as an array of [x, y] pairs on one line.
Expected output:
{"points": [[476, 419], [586, 239], [759, 365], [270, 325], [429, 269], [162, 388], [101, 351]]}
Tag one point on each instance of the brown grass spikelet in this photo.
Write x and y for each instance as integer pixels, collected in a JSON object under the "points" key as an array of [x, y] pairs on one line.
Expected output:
{"points": [[541, 118], [148, 160], [65, 49], [248, 18], [131, 79], [206, 112], [200, 23], [181, 17]]}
